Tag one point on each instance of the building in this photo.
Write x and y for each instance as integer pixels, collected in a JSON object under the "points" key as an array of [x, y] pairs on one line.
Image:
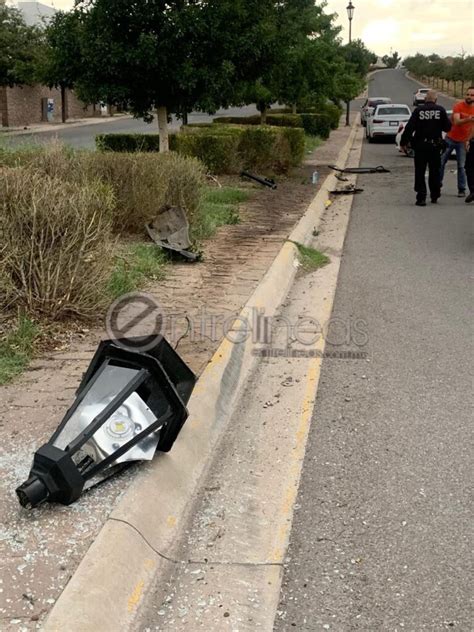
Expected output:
{"points": [[21, 106], [34, 13]]}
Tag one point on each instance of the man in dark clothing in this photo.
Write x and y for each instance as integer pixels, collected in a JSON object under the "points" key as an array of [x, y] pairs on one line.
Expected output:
{"points": [[424, 131], [469, 167]]}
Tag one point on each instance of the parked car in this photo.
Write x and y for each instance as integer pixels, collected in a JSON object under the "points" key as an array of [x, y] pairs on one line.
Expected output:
{"points": [[386, 120], [398, 137], [369, 107], [419, 96]]}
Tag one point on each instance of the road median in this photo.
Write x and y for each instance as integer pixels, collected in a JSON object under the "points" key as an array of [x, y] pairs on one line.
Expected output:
{"points": [[140, 538]]}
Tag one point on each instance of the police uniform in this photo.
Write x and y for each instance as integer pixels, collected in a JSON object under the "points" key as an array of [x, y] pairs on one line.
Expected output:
{"points": [[469, 167], [424, 132]]}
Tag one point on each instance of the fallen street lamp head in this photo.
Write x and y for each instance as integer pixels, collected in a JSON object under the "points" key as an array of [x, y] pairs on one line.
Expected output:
{"points": [[129, 405]]}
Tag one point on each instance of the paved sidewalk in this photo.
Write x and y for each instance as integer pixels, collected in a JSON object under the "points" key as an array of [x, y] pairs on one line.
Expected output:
{"points": [[54, 127], [41, 549]]}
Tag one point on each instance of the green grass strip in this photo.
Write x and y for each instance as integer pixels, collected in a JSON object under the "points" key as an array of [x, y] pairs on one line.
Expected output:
{"points": [[16, 349]]}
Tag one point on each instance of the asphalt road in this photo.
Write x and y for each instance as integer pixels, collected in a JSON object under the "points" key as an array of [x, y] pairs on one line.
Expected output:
{"points": [[83, 136], [382, 534]]}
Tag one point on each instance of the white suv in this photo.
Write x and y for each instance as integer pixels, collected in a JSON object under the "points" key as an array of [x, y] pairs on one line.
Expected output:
{"points": [[420, 95]]}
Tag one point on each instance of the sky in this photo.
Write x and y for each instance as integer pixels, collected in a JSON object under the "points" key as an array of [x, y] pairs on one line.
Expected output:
{"points": [[445, 27]]}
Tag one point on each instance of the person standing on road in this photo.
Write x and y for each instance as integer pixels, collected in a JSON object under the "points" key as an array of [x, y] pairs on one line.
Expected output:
{"points": [[463, 119], [469, 167], [424, 131]]}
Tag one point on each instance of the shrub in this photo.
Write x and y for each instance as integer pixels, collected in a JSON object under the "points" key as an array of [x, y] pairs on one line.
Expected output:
{"points": [[229, 148], [144, 182], [218, 151], [284, 120], [316, 124], [57, 246], [225, 148], [256, 148], [141, 182], [127, 142], [334, 112], [238, 120], [297, 143]]}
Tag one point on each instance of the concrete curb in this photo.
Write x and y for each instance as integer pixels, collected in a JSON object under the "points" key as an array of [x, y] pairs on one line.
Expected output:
{"points": [[139, 541]]}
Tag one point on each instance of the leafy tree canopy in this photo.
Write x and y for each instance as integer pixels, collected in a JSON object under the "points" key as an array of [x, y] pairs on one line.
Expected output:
{"points": [[20, 48]]}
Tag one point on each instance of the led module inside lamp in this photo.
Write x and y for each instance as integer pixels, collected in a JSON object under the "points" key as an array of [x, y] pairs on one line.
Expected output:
{"points": [[126, 422]]}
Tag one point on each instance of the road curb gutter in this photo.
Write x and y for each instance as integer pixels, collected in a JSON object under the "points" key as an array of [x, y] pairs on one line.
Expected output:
{"points": [[140, 539]]}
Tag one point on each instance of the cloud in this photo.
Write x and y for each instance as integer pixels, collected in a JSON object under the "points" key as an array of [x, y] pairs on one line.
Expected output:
{"points": [[380, 31], [442, 26], [409, 26]]}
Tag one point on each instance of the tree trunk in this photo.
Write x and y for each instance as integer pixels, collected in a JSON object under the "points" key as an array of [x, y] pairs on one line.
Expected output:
{"points": [[63, 104], [293, 108], [163, 128], [185, 118]]}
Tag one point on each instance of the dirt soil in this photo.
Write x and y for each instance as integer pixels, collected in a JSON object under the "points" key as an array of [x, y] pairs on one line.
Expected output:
{"points": [[40, 549]]}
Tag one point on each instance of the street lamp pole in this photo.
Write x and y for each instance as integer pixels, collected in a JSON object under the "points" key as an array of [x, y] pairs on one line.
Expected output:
{"points": [[350, 15]]}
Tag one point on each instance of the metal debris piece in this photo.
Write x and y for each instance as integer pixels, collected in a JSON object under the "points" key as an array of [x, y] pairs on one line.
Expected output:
{"points": [[268, 182], [348, 190], [341, 178], [170, 230], [379, 169]]}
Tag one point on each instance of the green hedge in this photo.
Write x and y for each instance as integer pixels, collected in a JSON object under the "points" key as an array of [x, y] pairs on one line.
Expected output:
{"points": [[284, 116], [129, 142], [219, 152], [226, 148], [334, 112], [230, 148], [315, 124]]}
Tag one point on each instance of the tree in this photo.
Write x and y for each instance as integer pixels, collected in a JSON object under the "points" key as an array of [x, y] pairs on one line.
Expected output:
{"points": [[62, 62], [392, 60], [20, 48], [359, 57], [172, 56], [310, 65], [310, 61]]}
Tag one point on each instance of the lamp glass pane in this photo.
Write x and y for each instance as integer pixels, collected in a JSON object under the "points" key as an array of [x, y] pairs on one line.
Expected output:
{"points": [[132, 417]]}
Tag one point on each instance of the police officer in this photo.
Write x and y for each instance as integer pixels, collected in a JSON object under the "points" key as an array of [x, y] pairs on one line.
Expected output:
{"points": [[424, 132]]}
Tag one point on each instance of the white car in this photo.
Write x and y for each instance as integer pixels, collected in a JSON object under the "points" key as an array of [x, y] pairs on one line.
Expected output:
{"points": [[420, 95], [386, 120], [401, 129], [369, 107]]}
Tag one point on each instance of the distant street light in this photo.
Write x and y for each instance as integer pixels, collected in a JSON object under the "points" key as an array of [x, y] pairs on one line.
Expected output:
{"points": [[350, 15]]}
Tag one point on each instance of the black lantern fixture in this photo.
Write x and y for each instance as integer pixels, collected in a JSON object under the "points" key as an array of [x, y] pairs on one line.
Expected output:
{"points": [[350, 14], [350, 11], [129, 405]]}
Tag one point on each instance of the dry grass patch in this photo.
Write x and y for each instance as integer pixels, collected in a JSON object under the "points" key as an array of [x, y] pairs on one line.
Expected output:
{"points": [[57, 245]]}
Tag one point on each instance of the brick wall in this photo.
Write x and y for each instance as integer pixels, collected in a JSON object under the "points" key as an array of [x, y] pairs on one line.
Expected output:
{"points": [[3, 105], [77, 109], [22, 105]]}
